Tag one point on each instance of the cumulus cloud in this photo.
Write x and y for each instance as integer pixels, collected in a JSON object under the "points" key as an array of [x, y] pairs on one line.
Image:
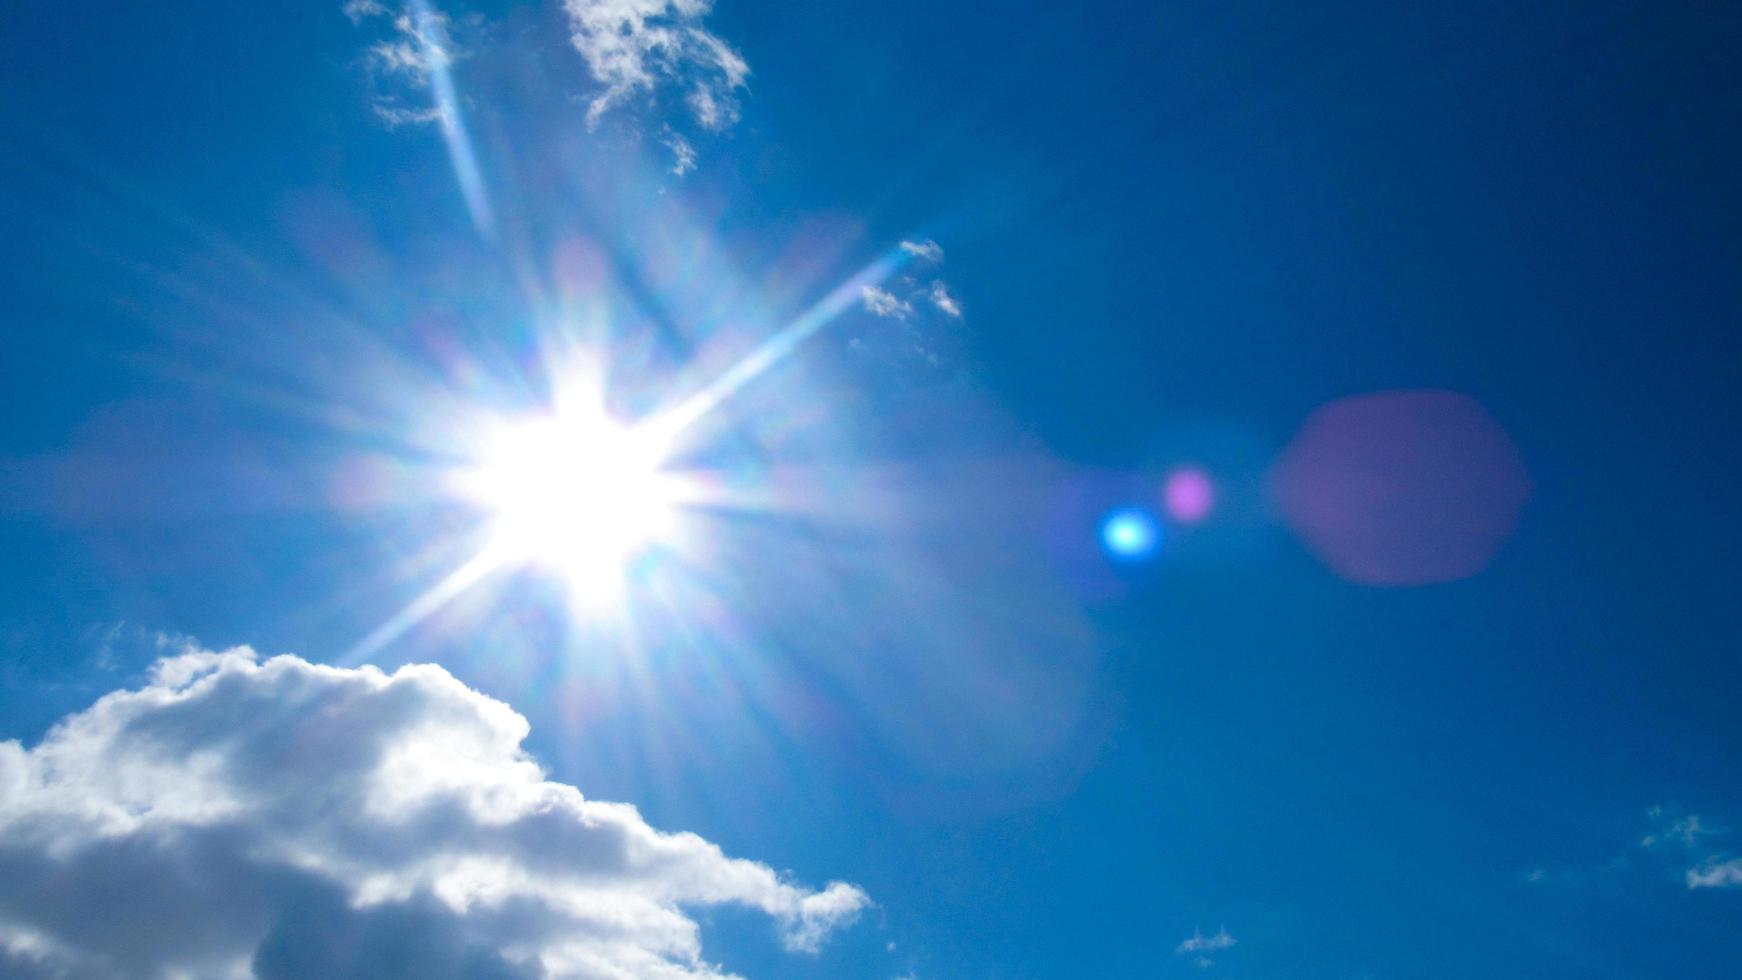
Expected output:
{"points": [[881, 302], [235, 817], [643, 46], [1716, 874], [927, 250]]}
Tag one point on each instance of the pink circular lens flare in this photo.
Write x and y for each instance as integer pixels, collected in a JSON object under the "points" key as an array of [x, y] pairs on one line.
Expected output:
{"points": [[1189, 495], [1402, 487]]}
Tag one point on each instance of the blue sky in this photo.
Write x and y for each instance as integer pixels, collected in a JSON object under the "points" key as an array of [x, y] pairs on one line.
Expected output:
{"points": [[1397, 341]]}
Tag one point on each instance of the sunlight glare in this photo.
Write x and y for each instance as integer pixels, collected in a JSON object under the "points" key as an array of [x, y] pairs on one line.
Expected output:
{"points": [[580, 495]]}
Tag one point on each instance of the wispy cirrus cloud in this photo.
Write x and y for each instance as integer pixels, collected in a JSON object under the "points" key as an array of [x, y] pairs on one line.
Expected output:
{"points": [[683, 154], [361, 10], [413, 84], [654, 47], [1672, 828], [1689, 836], [288, 819], [659, 50], [401, 66], [663, 52], [1677, 845]]}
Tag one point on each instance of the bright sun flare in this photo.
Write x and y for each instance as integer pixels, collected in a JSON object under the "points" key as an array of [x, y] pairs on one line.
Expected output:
{"points": [[578, 495]]}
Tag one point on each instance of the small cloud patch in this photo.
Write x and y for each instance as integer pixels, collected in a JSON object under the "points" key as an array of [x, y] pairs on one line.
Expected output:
{"points": [[881, 302], [1198, 946], [927, 250], [1200, 943], [941, 298], [1716, 874]]}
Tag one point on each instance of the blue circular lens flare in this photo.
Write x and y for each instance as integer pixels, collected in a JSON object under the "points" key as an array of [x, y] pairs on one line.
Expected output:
{"points": [[1130, 534]]}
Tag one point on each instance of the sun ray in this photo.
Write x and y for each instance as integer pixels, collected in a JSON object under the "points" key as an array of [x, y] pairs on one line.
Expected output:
{"points": [[574, 492], [437, 51], [776, 348], [421, 608]]}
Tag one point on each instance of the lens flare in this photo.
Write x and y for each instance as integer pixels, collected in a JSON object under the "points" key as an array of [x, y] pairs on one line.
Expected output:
{"points": [[1189, 495], [1130, 534], [575, 493], [1401, 488]]}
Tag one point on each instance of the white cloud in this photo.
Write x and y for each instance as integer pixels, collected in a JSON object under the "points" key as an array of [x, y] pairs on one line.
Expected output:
{"points": [[928, 250], [284, 818], [940, 297], [1670, 828], [640, 45], [1200, 943], [1716, 874], [1685, 835], [359, 10], [884, 303], [407, 58], [399, 67], [683, 155], [422, 43], [397, 115]]}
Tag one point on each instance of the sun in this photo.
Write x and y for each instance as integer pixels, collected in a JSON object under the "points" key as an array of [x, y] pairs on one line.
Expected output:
{"points": [[576, 493]]}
